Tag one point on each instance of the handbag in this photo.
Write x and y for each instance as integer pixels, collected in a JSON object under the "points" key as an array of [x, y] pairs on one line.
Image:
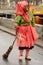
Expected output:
{"points": [[34, 33]]}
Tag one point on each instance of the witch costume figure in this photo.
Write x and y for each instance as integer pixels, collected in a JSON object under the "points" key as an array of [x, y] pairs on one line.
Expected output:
{"points": [[26, 35]]}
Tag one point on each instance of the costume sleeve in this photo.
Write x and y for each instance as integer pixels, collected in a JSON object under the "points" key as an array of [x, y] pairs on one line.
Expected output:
{"points": [[32, 21], [17, 21]]}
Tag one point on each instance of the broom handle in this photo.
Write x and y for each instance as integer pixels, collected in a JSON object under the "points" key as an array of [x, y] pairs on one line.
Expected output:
{"points": [[15, 38], [14, 41]]}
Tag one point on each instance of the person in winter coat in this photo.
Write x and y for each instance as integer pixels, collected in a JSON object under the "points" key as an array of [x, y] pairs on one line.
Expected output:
{"points": [[26, 33]]}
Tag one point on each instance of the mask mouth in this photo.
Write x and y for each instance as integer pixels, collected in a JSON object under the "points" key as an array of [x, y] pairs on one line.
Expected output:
{"points": [[26, 9]]}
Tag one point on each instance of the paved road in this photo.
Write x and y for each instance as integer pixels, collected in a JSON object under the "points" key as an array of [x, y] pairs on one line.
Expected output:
{"points": [[5, 40]]}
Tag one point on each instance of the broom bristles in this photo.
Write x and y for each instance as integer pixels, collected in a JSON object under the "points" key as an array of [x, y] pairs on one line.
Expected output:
{"points": [[5, 55]]}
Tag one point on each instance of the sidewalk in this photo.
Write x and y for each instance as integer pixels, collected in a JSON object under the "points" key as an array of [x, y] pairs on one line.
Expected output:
{"points": [[39, 43], [12, 32], [7, 30]]}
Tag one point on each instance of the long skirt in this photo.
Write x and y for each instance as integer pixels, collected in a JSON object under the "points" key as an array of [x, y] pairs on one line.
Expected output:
{"points": [[26, 36]]}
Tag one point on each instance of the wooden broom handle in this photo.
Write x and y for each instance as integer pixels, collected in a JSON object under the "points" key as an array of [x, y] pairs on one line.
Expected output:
{"points": [[14, 41]]}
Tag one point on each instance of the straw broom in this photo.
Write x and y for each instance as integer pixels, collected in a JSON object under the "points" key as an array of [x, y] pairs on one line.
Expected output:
{"points": [[6, 54]]}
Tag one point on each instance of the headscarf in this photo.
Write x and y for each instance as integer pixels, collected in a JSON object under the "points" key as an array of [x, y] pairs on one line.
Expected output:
{"points": [[19, 10]]}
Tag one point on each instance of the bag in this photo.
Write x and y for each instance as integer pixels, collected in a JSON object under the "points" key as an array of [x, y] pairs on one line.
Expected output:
{"points": [[34, 33]]}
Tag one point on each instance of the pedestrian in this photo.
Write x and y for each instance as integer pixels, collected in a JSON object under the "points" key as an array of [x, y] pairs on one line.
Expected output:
{"points": [[24, 24]]}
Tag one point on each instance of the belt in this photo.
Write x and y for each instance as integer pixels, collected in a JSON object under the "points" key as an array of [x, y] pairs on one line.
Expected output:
{"points": [[25, 24]]}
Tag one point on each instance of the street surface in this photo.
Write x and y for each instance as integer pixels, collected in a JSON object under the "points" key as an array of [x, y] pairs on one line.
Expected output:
{"points": [[6, 40]]}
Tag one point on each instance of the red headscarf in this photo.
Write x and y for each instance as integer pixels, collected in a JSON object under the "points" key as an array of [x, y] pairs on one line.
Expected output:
{"points": [[19, 10]]}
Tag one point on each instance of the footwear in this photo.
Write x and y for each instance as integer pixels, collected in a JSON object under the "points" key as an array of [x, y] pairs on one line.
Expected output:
{"points": [[28, 58], [20, 58]]}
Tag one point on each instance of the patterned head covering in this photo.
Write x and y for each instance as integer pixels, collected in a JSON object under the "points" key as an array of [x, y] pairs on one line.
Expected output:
{"points": [[20, 10]]}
